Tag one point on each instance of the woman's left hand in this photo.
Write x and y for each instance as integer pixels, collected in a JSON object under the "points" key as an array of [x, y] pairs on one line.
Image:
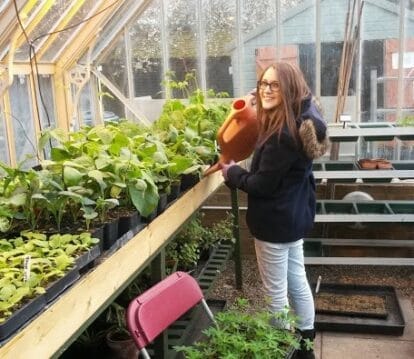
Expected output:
{"points": [[225, 167]]}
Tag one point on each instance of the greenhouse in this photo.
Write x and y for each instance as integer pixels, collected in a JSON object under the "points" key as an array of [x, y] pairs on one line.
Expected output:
{"points": [[207, 179]]}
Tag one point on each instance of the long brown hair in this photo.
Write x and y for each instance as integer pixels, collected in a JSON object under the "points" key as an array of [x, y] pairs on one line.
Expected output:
{"points": [[293, 89]]}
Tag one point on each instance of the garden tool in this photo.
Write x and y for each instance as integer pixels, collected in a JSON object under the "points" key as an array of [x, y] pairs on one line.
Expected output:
{"points": [[238, 135]]}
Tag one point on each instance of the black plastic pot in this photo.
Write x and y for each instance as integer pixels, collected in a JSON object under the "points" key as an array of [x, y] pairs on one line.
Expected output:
{"points": [[162, 203], [188, 181], [129, 222], [174, 192], [110, 233], [98, 232], [150, 217], [88, 257]]}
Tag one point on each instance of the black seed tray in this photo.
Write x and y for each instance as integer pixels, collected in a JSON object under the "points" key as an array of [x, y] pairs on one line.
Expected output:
{"points": [[393, 324], [22, 316]]}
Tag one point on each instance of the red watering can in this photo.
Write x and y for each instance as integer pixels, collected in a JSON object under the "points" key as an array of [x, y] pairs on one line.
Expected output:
{"points": [[237, 136]]}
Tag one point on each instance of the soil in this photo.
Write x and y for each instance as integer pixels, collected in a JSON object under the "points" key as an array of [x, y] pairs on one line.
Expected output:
{"points": [[402, 278], [351, 304]]}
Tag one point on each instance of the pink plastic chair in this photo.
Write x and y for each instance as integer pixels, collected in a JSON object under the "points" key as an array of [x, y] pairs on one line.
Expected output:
{"points": [[155, 310]]}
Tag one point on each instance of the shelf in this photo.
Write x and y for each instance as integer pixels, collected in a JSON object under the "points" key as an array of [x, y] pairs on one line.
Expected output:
{"points": [[348, 170], [49, 333], [370, 132], [341, 211]]}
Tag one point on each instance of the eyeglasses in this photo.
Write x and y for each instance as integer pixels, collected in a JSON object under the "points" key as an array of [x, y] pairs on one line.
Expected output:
{"points": [[274, 86]]}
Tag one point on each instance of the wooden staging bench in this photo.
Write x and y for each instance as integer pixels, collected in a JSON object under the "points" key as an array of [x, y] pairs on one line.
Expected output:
{"points": [[56, 327]]}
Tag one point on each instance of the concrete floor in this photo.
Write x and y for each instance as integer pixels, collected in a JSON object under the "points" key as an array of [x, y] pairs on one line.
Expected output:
{"points": [[335, 345]]}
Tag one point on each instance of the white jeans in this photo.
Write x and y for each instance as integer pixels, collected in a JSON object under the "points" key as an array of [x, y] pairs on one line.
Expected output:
{"points": [[282, 269]]}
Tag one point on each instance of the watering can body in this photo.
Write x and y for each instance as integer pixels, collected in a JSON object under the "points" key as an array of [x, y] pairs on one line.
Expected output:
{"points": [[238, 134]]}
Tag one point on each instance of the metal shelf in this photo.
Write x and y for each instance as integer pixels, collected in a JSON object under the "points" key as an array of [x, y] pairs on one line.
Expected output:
{"points": [[370, 131]]}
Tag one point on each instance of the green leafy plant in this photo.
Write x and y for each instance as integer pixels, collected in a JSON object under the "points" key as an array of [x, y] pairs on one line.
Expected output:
{"points": [[115, 317], [406, 121], [241, 334]]}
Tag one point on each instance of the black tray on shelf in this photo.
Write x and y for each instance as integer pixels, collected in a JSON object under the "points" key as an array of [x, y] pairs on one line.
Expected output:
{"points": [[58, 286], [84, 259], [22, 316], [392, 324]]}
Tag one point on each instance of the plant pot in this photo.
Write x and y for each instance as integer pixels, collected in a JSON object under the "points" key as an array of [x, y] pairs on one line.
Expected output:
{"points": [[110, 233], [174, 192], [189, 180], [150, 217], [162, 203], [85, 259], [98, 232], [128, 222], [121, 347]]}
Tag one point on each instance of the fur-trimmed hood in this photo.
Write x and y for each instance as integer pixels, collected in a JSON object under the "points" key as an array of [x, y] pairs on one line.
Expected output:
{"points": [[313, 130]]}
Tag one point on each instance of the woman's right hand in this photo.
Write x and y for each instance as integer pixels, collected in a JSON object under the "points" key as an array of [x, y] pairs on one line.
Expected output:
{"points": [[225, 167]]}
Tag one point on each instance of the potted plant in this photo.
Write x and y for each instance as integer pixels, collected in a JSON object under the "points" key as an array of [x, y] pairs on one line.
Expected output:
{"points": [[242, 334], [117, 337]]}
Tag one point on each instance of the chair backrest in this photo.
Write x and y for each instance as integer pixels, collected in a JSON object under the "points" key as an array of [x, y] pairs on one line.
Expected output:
{"points": [[153, 311]]}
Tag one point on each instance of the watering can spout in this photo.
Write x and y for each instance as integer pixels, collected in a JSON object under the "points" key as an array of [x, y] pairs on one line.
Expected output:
{"points": [[238, 134]]}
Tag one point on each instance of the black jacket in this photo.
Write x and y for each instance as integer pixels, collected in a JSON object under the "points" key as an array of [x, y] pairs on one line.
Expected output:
{"points": [[280, 184]]}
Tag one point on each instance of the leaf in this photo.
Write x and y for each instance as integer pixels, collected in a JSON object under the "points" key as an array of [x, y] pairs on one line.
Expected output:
{"points": [[98, 177], [71, 176], [59, 154], [144, 201]]}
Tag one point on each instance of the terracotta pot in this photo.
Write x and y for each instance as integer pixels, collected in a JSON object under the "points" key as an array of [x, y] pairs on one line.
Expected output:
{"points": [[122, 348], [367, 164], [383, 164]]}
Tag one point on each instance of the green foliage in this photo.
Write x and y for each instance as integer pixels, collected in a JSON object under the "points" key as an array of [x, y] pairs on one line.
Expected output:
{"points": [[406, 121], [195, 237], [241, 334]]}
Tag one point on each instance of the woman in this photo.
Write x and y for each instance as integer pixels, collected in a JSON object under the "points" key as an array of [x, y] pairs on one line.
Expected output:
{"points": [[281, 189]]}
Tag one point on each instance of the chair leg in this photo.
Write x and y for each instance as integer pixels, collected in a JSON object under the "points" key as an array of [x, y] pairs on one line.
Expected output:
{"points": [[208, 310], [144, 353]]}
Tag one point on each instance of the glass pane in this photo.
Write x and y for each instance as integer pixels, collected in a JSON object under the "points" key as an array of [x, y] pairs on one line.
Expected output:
{"points": [[257, 13], [23, 126], [332, 29], [46, 107], [379, 73], [182, 32], [114, 66], [62, 37], [113, 108], [220, 22], [46, 102], [379, 62], [298, 37], [47, 24], [145, 35], [86, 108], [4, 154], [259, 39]]}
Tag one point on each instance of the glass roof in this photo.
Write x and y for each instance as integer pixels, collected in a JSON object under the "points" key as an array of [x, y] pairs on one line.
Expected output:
{"points": [[50, 26]]}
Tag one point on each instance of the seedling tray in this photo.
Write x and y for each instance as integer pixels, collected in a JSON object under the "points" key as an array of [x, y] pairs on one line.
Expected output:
{"points": [[22, 316], [84, 259], [392, 322], [60, 285]]}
